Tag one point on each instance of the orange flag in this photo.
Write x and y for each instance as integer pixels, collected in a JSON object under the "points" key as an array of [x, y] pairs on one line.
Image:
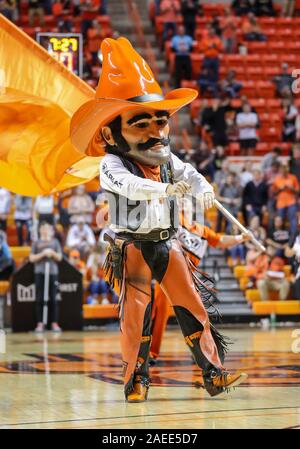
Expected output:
{"points": [[38, 96]]}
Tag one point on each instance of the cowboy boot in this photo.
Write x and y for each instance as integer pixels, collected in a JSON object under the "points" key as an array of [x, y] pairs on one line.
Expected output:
{"points": [[139, 392], [217, 381]]}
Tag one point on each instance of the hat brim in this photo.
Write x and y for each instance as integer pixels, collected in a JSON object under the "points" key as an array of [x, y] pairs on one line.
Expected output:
{"points": [[99, 112]]}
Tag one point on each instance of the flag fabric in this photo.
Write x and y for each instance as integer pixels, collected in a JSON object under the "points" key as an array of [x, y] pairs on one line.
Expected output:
{"points": [[38, 97]]}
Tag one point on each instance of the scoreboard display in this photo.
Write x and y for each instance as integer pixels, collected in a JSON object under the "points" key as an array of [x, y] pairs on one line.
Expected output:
{"points": [[65, 48]]}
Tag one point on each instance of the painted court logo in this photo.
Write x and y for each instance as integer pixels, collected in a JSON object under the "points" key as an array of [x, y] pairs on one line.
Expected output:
{"points": [[265, 369]]}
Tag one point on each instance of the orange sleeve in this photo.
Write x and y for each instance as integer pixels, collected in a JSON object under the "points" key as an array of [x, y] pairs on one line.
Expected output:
{"points": [[213, 238]]}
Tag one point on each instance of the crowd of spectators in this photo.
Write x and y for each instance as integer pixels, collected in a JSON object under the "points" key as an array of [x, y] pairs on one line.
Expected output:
{"points": [[78, 225], [266, 197]]}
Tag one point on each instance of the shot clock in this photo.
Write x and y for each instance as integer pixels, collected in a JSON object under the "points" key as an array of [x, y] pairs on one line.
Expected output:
{"points": [[65, 48]]}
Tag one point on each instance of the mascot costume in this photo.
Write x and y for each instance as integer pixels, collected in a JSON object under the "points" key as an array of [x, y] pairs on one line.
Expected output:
{"points": [[54, 133]]}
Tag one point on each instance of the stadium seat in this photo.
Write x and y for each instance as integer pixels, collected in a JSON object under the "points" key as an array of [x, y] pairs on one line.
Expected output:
{"points": [[4, 288], [96, 311], [289, 307]]}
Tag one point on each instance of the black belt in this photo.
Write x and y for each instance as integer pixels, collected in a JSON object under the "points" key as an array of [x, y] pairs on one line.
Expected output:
{"points": [[154, 236]]}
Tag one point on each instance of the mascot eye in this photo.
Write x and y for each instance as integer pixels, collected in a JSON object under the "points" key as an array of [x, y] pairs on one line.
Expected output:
{"points": [[142, 125], [162, 122]]}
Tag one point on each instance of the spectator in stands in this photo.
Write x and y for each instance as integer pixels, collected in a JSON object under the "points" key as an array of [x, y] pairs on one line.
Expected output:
{"points": [[288, 8], [169, 11], [286, 190], [219, 157], [81, 206], [88, 8], [244, 100], [289, 116], [246, 122], [251, 29], [189, 11], [270, 158], [207, 83], [5, 202], [260, 234], [98, 287], [36, 10], [221, 174], [212, 47], [255, 196], [9, 9], [246, 175], [295, 161], [284, 81], [44, 208], [87, 72], [298, 128], [237, 252], [264, 8], [76, 261], [103, 7], [182, 45], [95, 37], [81, 237], [6, 261], [278, 236], [215, 24], [229, 28], [23, 217], [215, 121], [292, 252], [230, 196], [46, 250], [63, 202], [242, 7], [271, 276], [61, 9], [203, 159], [230, 86]]}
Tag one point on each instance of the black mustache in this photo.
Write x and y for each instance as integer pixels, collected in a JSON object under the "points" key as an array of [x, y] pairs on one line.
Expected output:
{"points": [[151, 142]]}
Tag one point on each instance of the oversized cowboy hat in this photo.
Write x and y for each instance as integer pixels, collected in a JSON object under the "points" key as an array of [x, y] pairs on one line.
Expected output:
{"points": [[126, 82]]}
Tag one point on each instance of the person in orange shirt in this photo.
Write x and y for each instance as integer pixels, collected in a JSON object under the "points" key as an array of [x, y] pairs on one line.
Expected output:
{"points": [[169, 11], [252, 30], [211, 47], [229, 29], [269, 274], [286, 189], [95, 36], [190, 230]]}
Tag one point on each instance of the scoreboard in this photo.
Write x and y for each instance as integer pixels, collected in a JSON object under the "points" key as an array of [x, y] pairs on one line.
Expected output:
{"points": [[65, 48]]}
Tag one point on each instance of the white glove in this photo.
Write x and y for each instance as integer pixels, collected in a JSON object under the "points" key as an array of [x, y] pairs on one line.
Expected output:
{"points": [[179, 188]]}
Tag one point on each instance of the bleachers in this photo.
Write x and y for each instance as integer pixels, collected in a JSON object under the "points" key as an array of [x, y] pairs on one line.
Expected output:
{"points": [[274, 305], [255, 70]]}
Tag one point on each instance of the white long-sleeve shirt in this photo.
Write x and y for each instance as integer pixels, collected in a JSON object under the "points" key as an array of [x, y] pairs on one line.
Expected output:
{"points": [[116, 178]]}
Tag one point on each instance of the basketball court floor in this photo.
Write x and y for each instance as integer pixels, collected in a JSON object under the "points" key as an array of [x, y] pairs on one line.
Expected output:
{"points": [[73, 381]]}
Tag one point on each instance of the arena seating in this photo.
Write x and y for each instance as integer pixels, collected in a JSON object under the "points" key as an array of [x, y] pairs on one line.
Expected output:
{"points": [[255, 70]]}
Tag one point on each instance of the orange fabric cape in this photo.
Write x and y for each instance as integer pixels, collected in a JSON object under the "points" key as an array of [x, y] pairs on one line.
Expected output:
{"points": [[38, 96]]}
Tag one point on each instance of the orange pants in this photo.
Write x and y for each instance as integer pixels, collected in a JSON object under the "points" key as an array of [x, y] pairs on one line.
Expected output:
{"points": [[165, 262], [161, 310]]}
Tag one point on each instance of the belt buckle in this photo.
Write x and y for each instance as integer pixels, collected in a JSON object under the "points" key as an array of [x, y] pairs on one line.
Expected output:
{"points": [[164, 235]]}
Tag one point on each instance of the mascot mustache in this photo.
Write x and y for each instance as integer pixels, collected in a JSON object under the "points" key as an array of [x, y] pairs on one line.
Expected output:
{"points": [[151, 142]]}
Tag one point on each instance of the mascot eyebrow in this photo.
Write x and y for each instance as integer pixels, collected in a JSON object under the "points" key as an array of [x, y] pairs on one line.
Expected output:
{"points": [[144, 115]]}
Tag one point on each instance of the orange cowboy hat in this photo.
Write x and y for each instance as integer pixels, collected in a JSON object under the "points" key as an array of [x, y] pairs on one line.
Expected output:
{"points": [[126, 82]]}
